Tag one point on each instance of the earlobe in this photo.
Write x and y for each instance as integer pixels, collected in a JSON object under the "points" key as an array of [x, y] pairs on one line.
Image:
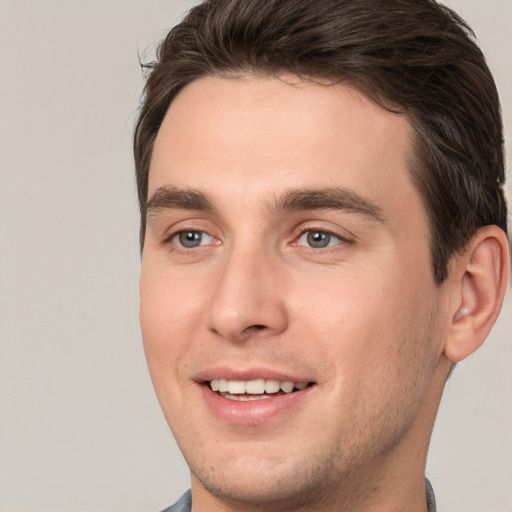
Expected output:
{"points": [[481, 276]]}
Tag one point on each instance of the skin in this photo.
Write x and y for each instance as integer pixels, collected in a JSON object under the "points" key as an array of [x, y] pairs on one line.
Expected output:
{"points": [[361, 318]]}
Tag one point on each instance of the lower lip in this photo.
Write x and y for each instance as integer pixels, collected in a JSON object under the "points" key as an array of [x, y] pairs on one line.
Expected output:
{"points": [[253, 411]]}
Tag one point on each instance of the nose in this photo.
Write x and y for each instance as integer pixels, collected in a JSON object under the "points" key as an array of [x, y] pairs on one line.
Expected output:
{"points": [[249, 297]]}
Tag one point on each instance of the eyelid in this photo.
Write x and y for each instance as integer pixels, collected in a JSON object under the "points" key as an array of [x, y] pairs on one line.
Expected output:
{"points": [[334, 230]]}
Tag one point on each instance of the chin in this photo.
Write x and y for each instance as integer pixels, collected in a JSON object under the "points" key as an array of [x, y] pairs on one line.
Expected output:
{"points": [[269, 491], [275, 483]]}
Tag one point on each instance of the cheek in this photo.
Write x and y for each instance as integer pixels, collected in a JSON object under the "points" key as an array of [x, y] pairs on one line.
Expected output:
{"points": [[382, 351], [369, 325], [165, 325], [167, 318]]}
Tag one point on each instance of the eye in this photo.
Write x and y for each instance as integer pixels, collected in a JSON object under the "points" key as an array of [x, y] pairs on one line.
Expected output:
{"points": [[317, 239], [190, 239]]}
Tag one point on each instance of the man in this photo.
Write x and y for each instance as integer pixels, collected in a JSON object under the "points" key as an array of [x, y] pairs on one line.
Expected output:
{"points": [[323, 237]]}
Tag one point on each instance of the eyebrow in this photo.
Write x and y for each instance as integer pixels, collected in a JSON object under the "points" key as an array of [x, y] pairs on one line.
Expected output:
{"points": [[328, 199], [168, 198]]}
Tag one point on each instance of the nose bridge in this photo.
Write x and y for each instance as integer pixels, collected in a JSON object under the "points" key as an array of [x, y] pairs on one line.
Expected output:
{"points": [[247, 298]]}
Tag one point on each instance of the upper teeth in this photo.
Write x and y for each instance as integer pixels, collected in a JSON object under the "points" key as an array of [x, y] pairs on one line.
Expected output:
{"points": [[254, 387]]}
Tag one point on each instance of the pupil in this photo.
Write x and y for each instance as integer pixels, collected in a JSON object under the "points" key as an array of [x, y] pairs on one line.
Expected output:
{"points": [[318, 239]]}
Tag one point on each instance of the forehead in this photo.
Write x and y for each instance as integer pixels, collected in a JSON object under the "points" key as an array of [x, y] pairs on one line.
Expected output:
{"points": [[258, 134]]}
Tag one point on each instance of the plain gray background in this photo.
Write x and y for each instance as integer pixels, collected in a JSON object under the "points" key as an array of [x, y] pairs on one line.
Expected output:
{"points": [[80, 428]]}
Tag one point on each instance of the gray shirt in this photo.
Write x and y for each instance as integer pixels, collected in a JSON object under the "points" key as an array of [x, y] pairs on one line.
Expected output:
{"points": [[184, 504]]}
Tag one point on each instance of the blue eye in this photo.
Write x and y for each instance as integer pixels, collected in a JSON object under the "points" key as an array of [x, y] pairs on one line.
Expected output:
{"points": [[317, 239], [191, 239]]}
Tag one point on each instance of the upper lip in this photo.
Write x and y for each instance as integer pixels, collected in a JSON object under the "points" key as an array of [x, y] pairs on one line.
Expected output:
{"points": [[247, 374]]}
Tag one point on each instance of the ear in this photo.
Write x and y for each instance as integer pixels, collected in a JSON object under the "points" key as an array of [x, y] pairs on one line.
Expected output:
{"points": [[480, 279]]}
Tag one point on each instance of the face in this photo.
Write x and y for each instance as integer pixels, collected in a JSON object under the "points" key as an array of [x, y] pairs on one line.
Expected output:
{"points": [[289, 315]]}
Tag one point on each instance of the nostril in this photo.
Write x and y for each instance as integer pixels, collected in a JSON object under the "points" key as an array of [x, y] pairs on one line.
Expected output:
{"points": [[253, 329]]}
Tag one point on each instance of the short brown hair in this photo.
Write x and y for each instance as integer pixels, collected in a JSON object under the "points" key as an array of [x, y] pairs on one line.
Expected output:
{"points": [[410, 56]]}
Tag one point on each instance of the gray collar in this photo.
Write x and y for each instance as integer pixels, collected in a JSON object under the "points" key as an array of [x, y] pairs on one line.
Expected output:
{"points": [[431, 499]]}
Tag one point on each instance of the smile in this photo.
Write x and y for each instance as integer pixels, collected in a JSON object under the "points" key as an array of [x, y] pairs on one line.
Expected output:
{"points": [[248, 399], [257, 389]]}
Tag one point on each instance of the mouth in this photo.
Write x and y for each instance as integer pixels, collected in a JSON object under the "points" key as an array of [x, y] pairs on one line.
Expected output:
{"points": [[254, 397], [257, 389]]}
